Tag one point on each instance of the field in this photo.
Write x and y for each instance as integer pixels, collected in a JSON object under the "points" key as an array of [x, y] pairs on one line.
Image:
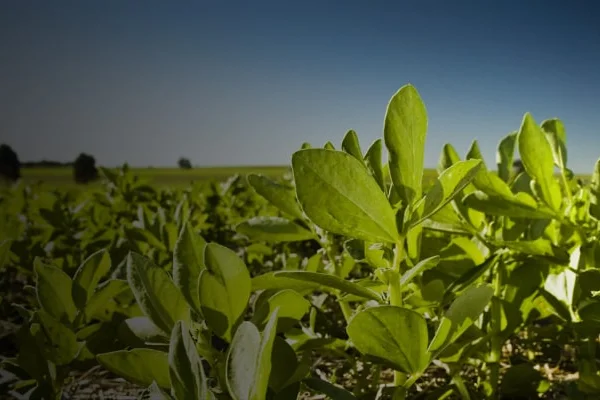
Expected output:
{"points": [[346, 278]]}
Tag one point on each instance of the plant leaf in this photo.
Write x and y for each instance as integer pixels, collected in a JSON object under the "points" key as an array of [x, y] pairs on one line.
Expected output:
{"points": [[140, 366], [405, 132], [88, 275], [394, 334], [282, 197], [188, 380], [53, 289], [156, 294], [505, 156], [274, 229], [188, 262], [224, 289], [339, 195]]}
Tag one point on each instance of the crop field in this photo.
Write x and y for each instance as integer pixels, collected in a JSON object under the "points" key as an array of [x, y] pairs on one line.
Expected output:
{"points": [[342, 277]]}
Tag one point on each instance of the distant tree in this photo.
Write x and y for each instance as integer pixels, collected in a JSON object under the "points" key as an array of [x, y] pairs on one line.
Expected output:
{"points": [[10, 166], [184, 163], [84, 168]]}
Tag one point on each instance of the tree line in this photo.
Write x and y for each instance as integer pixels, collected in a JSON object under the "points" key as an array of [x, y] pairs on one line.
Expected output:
{"points": [[84, 167]]}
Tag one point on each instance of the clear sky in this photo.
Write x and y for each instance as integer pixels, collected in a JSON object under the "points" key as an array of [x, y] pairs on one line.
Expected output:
{"points": [[246, 82]]}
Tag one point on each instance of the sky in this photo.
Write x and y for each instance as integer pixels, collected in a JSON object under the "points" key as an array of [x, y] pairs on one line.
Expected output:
{"points": [[247, 82]]}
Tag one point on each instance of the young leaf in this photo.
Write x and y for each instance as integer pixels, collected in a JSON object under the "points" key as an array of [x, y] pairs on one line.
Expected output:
{"points": [[422, 266], [53, 289], [460, 316], [249, 360], [339, 195], [331, 281], [292, 307], [224, 289], [505, 155], [448, 158], [155, 292], [405, 131], [188, 262], [185, 366], [351, 145], [556, 135], [373, 162], [274, 229], [140, 366], [57, 342], [450, 182], [474, 153], [87, 277], [394, 334], [282, 197], [594, 206], [538, 160]]}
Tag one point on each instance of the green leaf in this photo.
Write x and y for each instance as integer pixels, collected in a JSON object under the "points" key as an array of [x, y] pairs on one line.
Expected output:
{"points": [[394, 334], [351, 145], [88, 275], [595, 192], [332, 282], [448, 158], [249, 360], [270, 280], [57, 342], [329, 389], [224, 289], [556, 135], [105, 292], [292, 307], [139, 366], [284, 365], [373, 162], [274, 229], [520, 205], [474, 153], [282, 197], [53, 289], [460, 316], [538, 160], [521, 381], [143, 329], [154, 392], [505, 156], [185, 366], [188, 262], [539, 247], [450, 183], [156, 294], [339, 195], [418, 269], [405, 132]]}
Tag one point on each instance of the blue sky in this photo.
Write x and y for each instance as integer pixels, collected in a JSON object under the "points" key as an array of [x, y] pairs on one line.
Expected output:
{"points": [[239, 83]]}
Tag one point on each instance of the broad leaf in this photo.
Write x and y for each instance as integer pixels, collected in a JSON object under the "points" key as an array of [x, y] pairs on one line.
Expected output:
{"points": [[450, 183], [89, 274], [274, 229], [405, 132], [373, 162], [461, 315], [224, 289], [394, 334], [332, 282], [155, 292], [282, 197], [249, 360], [556, 135], [185, 366], [351, 145], [536, 154], [292, 307], [339, 195], [57, 342], [505, 156], [140, 366], [188, 262], [273, 280], [53, 289]]}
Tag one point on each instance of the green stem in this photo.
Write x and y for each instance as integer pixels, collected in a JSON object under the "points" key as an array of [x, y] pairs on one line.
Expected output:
{"points": [[496, 321], [395, 292], [567, 188]]}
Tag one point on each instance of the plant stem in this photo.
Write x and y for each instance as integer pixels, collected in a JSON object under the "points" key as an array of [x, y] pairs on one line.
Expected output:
{"points": [[496, 322], [395, 292]]}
